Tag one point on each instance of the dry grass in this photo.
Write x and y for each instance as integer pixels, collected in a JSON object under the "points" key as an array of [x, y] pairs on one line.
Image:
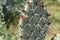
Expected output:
{"points": [[54, 26], [53, 29]]}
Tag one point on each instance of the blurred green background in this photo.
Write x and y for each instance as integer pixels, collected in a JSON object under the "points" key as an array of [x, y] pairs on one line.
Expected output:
{"points": [[53, 7]]}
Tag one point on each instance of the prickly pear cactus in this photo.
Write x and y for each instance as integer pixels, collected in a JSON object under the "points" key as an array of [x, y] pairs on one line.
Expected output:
{"points": [[36, 25]]}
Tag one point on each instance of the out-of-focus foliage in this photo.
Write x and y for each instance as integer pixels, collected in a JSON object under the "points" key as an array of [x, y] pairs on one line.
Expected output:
{"points": [[3, 2], [54, 8], [9, 10], [1, 17]]}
